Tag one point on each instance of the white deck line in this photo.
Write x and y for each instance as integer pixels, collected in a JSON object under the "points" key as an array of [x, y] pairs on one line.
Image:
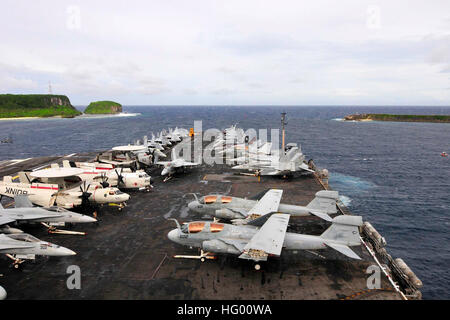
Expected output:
{"points": [[396, 287], [15, 161], [41, 167]]}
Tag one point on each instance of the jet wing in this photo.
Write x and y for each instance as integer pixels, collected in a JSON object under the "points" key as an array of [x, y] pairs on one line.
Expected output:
{"points": [[5, 219], [305, 167], [29, 216], [268, 203], [238, 210], [236, 243], [344, 250], [8, 243], [163, 163], [320, 214], [268, 240], [187, 163]]}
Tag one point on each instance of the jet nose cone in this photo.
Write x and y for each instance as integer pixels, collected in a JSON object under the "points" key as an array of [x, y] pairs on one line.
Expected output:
{"points": [[2, 293], [192, 205], [87, 219], [164, 171], [173, 235], [61, 251]]}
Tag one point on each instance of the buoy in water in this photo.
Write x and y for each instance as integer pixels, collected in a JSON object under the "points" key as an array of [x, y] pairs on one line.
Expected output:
{"points": [[444, 154]]}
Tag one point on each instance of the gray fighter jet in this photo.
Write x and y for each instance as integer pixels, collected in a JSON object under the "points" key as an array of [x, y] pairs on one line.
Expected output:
{"points": [[49, 217], [22, 246], [170, 167], [283, 165], [236, 209], [2, 293], [264, 237]]}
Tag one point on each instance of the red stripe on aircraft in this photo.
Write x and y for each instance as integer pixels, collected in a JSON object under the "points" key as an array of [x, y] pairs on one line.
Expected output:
{"points": [[48, 188]]}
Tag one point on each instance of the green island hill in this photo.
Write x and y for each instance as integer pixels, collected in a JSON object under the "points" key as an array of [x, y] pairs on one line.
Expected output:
{"points": [[397, 117], [36, 105], [103, 107]]}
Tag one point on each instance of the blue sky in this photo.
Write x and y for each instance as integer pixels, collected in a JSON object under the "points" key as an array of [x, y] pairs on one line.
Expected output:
{"points": [[228, 52]]}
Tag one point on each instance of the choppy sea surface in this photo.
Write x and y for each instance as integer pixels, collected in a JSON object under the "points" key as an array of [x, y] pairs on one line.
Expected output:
{"points": [[391, 173]]}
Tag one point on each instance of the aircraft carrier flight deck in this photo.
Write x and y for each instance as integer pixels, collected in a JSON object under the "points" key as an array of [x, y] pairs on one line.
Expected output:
{"points": [[128, 255]]}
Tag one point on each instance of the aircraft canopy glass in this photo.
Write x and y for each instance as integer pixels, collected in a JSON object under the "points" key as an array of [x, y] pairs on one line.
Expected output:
{"points": [[209, 199], [213, 199], [23, 237], [226, 199], [195, 227], [216, 227]]}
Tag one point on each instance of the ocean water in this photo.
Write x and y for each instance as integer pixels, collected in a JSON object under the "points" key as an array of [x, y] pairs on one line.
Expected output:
{"points": [[391, 173]]}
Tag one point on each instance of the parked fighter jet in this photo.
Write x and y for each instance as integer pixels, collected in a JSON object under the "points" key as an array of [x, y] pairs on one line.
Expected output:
{"points": [[118, 158], [154, 149], [138, 153], [173, 136], [176, 164], [233, 208], [161, 139], [285, 164], [107, 175], [2, 293], [264, 237], [181, 132], [50, 217], [23, 246], [61, 187], [260, 151]]}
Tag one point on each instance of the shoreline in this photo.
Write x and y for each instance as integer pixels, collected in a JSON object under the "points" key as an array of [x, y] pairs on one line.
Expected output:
{"points": [[81, 116], [397, 118], [31, 118]]}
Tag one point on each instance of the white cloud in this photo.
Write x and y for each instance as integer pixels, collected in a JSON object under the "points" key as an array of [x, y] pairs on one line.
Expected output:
{"points": [[220, 52]]}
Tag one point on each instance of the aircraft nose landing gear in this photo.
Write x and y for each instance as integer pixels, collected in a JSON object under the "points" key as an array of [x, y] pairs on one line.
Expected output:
{"points": [[17, 262]]}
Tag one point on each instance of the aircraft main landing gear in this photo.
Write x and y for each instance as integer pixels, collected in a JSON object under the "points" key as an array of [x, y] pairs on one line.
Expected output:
{"points": [[202, 257], [17, 263]]}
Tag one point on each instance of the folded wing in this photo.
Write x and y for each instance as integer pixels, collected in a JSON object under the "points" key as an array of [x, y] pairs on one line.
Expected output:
{"points": [[268, 240]]}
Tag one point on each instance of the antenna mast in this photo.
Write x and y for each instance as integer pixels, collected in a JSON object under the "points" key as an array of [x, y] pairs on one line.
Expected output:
{"points": [[283, 123]]}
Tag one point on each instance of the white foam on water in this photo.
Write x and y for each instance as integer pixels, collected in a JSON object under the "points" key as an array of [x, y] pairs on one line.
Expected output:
{"points": [[126, 114], [346, 201], [101, 116], [350, 182]]}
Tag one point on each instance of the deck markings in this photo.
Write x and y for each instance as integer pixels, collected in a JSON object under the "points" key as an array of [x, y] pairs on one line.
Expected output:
{"points": [[356, 294]]}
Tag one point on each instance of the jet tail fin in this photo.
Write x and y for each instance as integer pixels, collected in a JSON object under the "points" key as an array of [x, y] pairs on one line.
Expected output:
{"points": [[344, 232], [145, 142], [291, 154], [344, 229], [22, 201], [325, 201]]}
